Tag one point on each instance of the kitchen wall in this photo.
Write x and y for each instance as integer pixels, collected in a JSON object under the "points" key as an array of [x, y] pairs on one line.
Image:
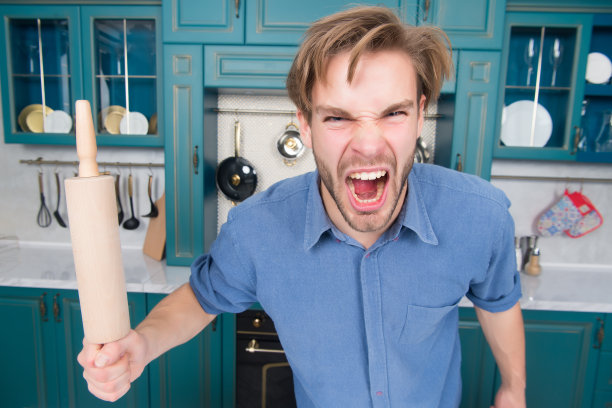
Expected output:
{"points": [[532, 198], [19, 197]]}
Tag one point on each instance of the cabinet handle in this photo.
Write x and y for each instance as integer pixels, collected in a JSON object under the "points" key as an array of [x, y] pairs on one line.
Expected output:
{"points": [[196, 160], [459, 164], [600, 334], [56, 309], [42, 307], [237, 8], [426, 15], [213, 324], [577, 136]]}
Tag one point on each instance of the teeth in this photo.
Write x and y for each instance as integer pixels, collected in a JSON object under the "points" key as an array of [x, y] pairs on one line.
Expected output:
{"points": [[370, 175]]}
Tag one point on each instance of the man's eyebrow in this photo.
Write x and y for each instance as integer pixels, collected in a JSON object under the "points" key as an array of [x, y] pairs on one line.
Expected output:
{"points": [[406, 104], [327, 110]]}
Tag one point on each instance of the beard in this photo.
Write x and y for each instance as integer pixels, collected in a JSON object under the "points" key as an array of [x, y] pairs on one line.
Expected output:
{"points": [[366, 221]]}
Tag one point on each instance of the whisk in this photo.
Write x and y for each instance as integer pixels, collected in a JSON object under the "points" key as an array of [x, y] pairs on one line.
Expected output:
{"points": [[44, 216]]}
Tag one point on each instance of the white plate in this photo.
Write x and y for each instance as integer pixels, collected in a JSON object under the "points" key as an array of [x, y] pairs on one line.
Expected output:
{"points": [[599, 68], [57, 122], [516, 125], [139, 125]]}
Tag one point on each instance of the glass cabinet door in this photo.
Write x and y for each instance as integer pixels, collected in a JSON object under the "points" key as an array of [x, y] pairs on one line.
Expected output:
{"points": [[39, 74], [126, 76], [539, 116]]}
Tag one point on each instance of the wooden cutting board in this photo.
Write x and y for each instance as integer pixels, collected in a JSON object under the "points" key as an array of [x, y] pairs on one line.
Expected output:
{"points": [[155, 240]]}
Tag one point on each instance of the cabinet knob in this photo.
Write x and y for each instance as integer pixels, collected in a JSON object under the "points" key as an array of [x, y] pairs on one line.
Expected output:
{"points": [[459, 164], [237, 8]]}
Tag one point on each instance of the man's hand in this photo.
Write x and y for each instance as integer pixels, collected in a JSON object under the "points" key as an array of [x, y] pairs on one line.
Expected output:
{"points": [[110, 369], [507, 398]]}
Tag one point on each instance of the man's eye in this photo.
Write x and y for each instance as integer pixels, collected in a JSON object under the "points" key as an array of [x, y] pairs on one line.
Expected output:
{"points": [[397, 113], [333, 119]]}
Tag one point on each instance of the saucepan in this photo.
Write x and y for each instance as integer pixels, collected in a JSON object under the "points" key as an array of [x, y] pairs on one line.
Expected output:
{"points": [[236, 177], [290, 145]]}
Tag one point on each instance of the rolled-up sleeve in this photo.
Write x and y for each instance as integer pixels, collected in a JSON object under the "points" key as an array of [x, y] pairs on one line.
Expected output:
{"points": [[222, 279], [501, 288]]}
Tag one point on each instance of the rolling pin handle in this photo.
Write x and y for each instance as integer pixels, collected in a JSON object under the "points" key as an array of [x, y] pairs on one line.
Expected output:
{"points": [[86, 140]]}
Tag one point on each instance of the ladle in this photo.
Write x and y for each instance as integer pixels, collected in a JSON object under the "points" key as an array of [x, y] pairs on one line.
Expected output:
{"points": [[119, 206], [154, 212], [132, 222]]}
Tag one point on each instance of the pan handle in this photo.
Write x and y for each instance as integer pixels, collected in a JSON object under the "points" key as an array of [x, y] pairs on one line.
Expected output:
{"points": [[237, 139]]}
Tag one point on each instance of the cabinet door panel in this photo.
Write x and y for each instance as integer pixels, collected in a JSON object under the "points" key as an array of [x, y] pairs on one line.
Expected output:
{"points": [[197, 21], [477, 363], [27, 349], [188, 375], [477, 81], [474, 24], [284, 22], [184, 94], [561, 363]]}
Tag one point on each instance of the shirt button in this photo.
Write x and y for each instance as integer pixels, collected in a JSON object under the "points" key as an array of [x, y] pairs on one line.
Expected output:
{"points": [[368, 255], [379, 393]]}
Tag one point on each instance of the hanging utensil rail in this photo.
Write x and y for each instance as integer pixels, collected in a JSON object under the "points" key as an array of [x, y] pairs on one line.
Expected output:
{"points": [[545, 178], [40, 161], [286, 112]]}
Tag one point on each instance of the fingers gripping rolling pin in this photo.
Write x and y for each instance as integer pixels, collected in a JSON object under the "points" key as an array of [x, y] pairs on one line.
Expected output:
{"points": [[92, 212]]}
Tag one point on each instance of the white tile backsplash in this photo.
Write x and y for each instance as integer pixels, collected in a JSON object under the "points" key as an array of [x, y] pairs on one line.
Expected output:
{"points": [[530, 199]]}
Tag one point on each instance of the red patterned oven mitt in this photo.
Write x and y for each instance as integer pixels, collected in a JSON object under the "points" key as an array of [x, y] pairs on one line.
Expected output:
{"points": [[574, 214]]}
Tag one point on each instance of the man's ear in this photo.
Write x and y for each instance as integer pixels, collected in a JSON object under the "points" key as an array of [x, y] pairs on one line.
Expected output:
{"points": [[421, 113], [305, 132]]}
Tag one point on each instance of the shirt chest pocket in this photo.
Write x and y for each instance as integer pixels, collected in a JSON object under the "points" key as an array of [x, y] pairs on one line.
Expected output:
{"points": [[421, 323]]}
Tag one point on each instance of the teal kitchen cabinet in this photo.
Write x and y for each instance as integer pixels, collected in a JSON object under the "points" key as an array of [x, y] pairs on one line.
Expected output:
{"points": [[39, 355], [603, 384], [562, 350], [188, 375], [254, 22], [595, 144], [547, 108], [471, 24], [474, 121], [544, 55], [476, 24], [477, 362], [53, 55]]}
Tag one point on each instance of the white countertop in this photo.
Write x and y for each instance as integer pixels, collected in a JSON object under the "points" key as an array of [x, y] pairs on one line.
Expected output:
{"points": [[584, 288]]}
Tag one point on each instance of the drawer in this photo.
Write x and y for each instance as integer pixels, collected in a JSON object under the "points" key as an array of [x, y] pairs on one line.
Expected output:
{"points": [[604, 373]]}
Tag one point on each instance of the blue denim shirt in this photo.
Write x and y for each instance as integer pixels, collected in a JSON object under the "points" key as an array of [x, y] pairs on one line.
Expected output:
{"points": [[376, 327]]}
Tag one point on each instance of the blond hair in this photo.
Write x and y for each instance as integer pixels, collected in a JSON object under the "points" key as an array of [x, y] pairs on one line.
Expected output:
{"points": [[362, 30]]}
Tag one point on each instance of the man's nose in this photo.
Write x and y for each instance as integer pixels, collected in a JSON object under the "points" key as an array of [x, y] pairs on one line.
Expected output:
{"points": [[368, 140]]}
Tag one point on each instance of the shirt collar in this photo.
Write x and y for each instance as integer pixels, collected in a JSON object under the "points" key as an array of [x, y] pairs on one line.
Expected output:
{"points": [[413, 215]]}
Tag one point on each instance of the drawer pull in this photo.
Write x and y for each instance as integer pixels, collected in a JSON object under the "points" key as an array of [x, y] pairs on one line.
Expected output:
{"points": [[42, 307], [56, 309], [253, 347]]}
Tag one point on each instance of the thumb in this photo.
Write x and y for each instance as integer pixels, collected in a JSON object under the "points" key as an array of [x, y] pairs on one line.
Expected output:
{"points": [[110, 353]]}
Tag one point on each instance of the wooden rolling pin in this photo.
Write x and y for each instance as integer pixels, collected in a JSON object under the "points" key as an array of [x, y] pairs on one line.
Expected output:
{"points": [[92, 214]]}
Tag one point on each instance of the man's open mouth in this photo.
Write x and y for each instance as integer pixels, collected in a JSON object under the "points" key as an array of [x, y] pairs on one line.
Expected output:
{"points": [[367, 187]]}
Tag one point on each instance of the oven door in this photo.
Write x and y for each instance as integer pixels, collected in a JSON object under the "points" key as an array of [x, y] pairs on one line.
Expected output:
{"points": [[263, 376]]}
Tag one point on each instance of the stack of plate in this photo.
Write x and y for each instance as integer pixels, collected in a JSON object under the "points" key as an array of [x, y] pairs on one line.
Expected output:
{"points": [[114, 119], [31, 119]]}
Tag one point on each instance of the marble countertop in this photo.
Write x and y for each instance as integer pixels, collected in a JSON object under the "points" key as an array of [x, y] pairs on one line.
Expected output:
{"points": [[585, 288]]}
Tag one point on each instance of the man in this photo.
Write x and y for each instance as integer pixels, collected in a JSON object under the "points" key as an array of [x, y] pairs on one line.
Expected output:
{"points": [[361, 264]]}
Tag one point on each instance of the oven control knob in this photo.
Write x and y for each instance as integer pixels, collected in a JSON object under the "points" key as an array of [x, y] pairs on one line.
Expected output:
{"points": [[257, 322]]}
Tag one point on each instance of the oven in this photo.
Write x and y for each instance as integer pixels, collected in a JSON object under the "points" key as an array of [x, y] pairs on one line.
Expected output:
{"points": [[263, 376]]}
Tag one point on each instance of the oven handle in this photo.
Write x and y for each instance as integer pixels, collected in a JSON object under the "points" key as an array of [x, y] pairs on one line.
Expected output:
{"points": [[253, 347]]}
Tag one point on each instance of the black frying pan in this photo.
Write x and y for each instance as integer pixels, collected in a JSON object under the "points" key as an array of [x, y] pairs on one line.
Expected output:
{"points": [[236, 177]]}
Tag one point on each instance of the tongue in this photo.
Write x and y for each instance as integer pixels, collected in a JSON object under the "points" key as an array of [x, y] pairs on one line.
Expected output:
{"points": [[365, 189]]}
